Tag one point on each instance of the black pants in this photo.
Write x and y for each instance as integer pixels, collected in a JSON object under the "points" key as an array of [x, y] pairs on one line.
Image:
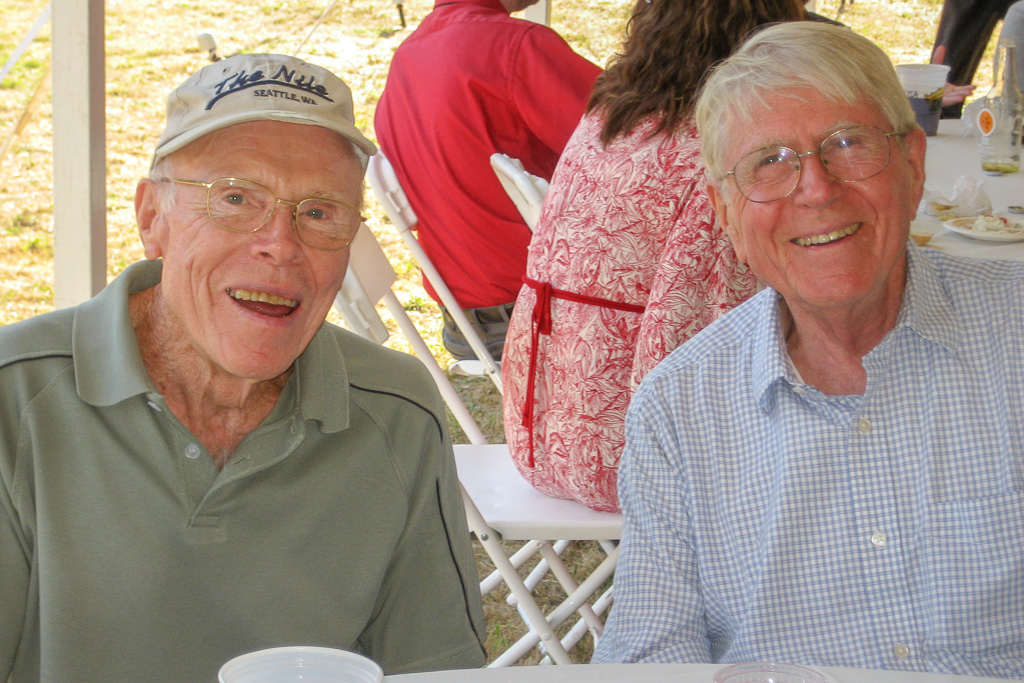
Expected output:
{"points": [[965, 27]]}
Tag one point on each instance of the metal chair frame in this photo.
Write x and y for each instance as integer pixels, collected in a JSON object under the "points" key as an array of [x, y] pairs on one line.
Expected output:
{"points": [[526, 190], [391, 196]]}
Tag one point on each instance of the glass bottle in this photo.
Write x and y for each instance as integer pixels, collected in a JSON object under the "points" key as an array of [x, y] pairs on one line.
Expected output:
{"points": [[1002, 114]]}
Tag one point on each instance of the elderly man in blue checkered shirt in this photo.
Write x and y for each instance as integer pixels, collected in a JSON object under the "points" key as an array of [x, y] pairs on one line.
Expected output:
{"points": [[831, 474]]}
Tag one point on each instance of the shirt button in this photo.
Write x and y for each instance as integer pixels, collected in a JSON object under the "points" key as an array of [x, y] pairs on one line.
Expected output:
{"points": [[864, 426], [901, 651], [879, 539], [799, 390], [193, 451]]}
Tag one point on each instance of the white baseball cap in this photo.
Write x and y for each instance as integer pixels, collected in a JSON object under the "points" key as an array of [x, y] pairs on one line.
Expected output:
{"points": [[259, 87]]}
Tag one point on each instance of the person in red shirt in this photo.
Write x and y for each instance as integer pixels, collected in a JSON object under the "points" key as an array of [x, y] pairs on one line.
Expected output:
{"points": [[469, 82]]}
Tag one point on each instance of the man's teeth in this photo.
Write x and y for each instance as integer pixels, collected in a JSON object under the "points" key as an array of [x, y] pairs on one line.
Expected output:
{"points": [[246, 295], [827, 237]]}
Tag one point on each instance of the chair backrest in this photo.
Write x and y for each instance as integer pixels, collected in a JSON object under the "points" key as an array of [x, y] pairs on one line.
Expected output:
{"points": [[526, 190], [389, 193], [368, 280]]}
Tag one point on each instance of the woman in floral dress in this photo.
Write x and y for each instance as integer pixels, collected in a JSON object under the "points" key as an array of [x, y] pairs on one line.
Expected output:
{"points": [[626, 262]]}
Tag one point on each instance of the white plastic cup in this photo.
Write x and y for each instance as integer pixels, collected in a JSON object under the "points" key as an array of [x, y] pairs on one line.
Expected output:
{"points": [[925, 85], [300, 663]]}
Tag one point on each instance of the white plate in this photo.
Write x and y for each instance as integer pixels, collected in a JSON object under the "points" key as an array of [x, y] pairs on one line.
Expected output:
{"points": [[963, 226]]}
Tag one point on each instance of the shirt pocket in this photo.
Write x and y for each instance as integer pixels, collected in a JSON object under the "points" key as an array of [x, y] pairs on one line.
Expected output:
{"points": [[974, 577]]}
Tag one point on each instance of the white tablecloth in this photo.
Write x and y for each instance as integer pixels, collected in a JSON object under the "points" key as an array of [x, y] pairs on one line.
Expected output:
{"points": [[654, 673], [949, 156]]}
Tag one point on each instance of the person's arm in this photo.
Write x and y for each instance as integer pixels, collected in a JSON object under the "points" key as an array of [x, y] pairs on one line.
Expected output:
{"points": [[14, 573], [658, 615], [550, 86], [429, 614], [951, 94]]}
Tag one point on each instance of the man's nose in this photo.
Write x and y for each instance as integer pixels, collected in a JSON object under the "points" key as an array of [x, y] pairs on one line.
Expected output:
{"points": [[279, 236], [283, 214], [816, 183]]}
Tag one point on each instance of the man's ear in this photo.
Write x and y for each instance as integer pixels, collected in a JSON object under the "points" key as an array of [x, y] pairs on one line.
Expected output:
{"points": [[151, 221], [724, 217], [916, 144]]}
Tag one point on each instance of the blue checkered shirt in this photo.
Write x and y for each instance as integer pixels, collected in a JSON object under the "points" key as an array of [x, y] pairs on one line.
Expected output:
{"points": [[765, 520]]}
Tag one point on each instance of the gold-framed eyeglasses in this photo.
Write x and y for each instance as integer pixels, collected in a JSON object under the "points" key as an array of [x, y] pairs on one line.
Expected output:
{"points": [[850, 154], [244, 206]]}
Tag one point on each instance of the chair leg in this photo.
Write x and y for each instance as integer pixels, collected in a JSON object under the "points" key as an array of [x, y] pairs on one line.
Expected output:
{"points": [[430, 272], [542, 568], [558, 615], [589, 586], [536, 620], [581, 627], [569, 584], [518, 559]]}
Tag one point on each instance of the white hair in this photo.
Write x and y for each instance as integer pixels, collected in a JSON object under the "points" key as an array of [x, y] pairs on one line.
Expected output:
{"points": [[832, 60]]}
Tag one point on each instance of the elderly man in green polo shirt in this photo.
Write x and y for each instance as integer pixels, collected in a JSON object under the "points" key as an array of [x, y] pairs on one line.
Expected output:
{"points": [[194, 465]]}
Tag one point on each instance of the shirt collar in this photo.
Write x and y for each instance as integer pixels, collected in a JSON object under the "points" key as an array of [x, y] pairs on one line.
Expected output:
{"points": [[926, 308], [925, 311], [109, 366], [769, 360], [490, 4]]}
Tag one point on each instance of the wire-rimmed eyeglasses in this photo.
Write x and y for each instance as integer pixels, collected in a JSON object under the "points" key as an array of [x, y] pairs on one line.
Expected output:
{"points": [[850, 154], [244, 206]]}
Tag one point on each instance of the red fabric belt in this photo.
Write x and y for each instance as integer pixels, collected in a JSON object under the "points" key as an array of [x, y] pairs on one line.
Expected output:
{"points": [[542, 325]]}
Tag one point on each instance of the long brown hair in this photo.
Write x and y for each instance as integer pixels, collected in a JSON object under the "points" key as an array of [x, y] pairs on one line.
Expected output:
{"points": [[669, 46]]}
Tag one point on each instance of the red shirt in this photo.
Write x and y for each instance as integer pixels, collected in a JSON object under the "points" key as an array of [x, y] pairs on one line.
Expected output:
{"points": [[471, 81]]}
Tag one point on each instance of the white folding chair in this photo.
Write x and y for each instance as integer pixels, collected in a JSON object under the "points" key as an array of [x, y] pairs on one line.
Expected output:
{"points": [[499, 503], [368, 280], [389, 192], [504, 506], [526, 190]]}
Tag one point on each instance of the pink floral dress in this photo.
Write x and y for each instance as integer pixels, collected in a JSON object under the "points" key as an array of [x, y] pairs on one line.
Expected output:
{"points": [[626, 264]]}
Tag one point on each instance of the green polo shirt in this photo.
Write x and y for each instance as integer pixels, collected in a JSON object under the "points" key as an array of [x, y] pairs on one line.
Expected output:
{"points": [[125, 555]]}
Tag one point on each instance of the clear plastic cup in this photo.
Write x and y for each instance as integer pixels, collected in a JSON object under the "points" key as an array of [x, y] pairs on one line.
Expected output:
{"points": [[768, 672], [300, 663]]}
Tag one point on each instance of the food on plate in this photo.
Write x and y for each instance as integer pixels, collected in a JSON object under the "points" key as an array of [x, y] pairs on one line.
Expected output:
{"points": [[987, 223], [994, 224]]}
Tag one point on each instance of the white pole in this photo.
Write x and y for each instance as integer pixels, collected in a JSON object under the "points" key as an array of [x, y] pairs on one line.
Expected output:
{"points": [[79, 141]]}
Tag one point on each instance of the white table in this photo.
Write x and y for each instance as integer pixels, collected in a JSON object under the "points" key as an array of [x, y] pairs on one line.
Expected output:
{"points": [[654, 673], [949, 156]]}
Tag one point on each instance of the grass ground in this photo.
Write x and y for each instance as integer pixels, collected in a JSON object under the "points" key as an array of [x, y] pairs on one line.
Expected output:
{"points": [[151, 47]]}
